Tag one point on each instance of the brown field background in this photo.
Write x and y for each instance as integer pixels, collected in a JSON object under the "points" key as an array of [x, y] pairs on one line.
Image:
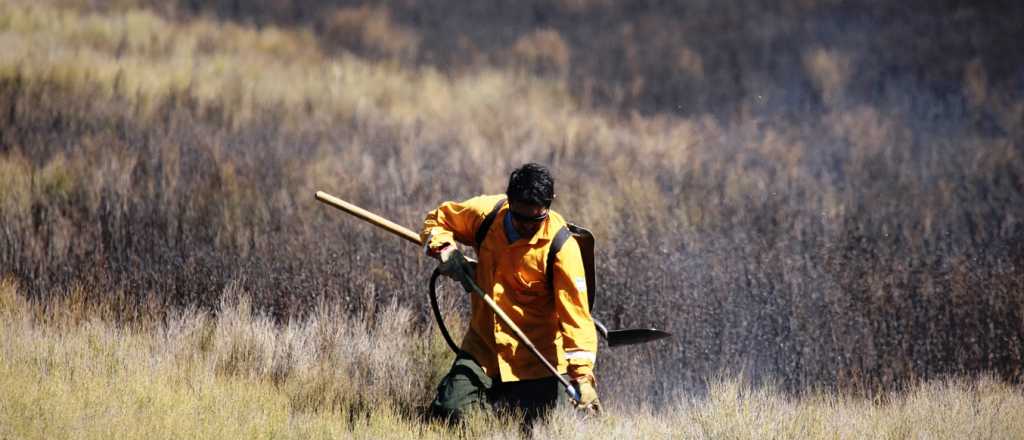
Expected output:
{"points": [[814, 194]]}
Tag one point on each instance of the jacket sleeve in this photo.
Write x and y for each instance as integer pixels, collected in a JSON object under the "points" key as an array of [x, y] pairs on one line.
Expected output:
{"points": [[455, 221], [579, 337]]}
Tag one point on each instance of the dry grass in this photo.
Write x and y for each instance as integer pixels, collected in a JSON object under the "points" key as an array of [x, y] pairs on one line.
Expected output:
{"points": [[232, 68], [238, 375]]}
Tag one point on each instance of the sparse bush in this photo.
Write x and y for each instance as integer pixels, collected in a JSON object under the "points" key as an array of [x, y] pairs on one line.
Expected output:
{"points": [[369, 30], [543, 52], [830, 72], [689, 62], [15, 186]]}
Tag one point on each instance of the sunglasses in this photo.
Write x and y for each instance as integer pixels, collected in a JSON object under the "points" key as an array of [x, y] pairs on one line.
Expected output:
{"points": [[529, 219]]}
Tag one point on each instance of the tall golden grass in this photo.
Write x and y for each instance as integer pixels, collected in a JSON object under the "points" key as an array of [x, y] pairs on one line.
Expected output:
{"points": [[240, 375]]}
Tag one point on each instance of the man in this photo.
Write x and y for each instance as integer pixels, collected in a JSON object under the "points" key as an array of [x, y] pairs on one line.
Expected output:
{"points": [[494, 368]]}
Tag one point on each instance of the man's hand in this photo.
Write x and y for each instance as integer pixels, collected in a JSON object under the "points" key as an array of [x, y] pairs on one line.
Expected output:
{"points": [[585, 388], [441, 252], [454, 265]]}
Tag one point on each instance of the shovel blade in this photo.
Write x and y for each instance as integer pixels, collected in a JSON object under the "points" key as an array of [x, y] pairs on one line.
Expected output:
{"points": [[634, 336]]}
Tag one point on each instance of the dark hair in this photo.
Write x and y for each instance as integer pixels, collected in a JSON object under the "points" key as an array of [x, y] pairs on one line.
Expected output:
{"points": [[531, 183]]}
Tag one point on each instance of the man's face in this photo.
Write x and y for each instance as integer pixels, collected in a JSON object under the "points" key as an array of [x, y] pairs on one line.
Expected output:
{"points": [[527, 217]]}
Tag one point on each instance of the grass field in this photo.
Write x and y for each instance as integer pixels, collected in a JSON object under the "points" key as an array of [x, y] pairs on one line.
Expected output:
{"points": [[239, 375], [834, 234]]}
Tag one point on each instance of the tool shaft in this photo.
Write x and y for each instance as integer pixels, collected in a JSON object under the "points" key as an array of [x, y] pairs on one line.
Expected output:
{"points": [[370, 217]]}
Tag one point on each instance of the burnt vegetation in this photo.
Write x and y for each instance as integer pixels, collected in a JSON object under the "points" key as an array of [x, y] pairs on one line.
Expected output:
{"points": [[816, 194]]}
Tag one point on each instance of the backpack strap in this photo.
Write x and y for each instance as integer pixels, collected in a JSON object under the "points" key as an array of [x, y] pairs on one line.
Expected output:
{"points": [[585, 239], [556, 245], [481, 232]]}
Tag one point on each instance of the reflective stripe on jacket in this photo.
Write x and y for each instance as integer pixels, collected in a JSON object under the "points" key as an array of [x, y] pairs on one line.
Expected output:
{"points": [[556, 320]]}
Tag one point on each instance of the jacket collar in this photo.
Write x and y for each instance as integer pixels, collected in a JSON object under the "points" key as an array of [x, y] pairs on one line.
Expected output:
{"points": [[545, 233]]}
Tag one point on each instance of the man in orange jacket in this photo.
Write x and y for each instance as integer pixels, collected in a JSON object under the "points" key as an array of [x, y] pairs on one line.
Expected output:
{"points": [[551, 309]]}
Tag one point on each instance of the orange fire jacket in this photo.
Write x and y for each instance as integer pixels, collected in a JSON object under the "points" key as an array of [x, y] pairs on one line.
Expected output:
{"points": [[557, 320]]}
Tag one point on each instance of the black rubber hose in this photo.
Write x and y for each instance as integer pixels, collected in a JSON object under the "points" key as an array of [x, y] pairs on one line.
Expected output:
{"points": [[437, 312]]}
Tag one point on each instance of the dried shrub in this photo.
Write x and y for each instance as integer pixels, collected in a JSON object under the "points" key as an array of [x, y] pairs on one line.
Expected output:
{"points": [[370, 30], [830, 71], [689, 62], [543, 52]]}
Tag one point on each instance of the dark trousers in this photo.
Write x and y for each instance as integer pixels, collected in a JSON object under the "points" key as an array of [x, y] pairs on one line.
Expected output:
{"points": [[466, 386]]}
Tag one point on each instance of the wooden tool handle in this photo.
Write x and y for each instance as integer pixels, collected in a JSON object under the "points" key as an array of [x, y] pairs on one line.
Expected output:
{"points": [[390, 226]]}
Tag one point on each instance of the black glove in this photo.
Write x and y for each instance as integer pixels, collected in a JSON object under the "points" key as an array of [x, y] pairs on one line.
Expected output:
{"points": [[457, 267]]}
